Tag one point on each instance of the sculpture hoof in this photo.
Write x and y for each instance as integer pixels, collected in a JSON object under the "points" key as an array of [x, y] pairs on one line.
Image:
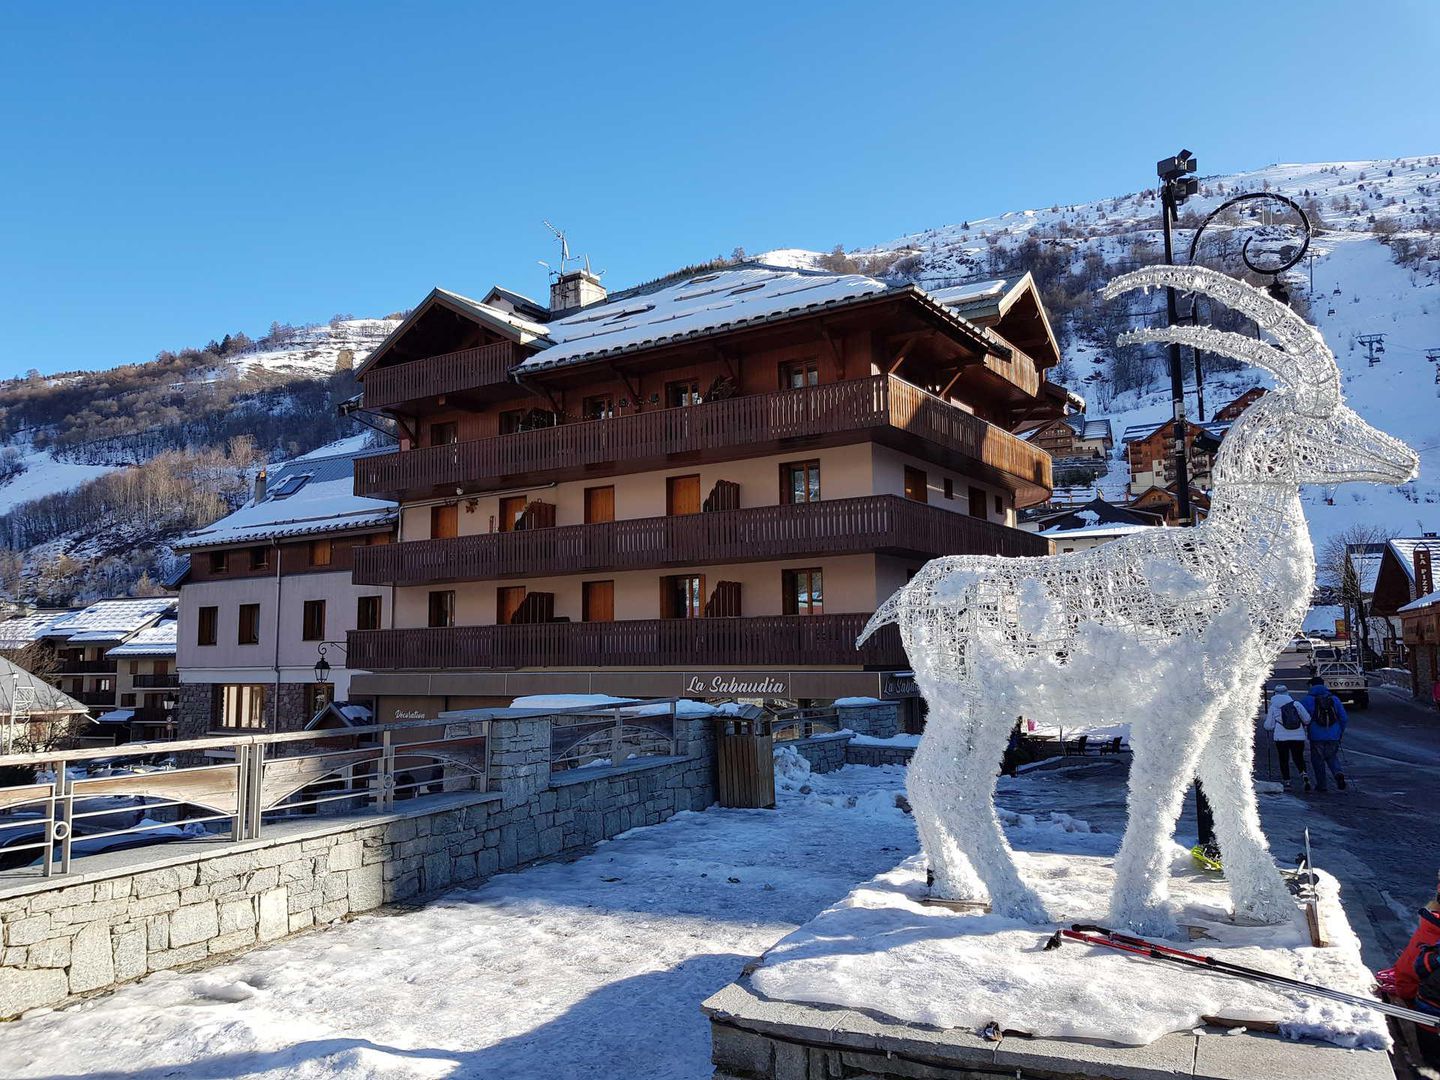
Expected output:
{"points": [[1028, 908], [1147, 920]]}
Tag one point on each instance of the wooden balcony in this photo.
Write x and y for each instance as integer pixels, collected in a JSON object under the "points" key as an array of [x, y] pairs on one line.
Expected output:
{"points": [[880, 407], [765, 640], [156, 682], [448, 373], [86, 667], [887, 524]]}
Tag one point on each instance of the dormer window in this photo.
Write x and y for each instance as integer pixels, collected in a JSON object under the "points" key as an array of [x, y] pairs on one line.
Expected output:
{"points": [[289, 486]]}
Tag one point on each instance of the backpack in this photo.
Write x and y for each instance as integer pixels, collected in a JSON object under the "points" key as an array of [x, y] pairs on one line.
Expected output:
{"points": [[1290, 718], [1326, 716], [1427, 971]]}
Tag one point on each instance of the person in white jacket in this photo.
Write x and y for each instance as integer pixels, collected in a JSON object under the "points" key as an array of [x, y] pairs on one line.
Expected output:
{"points": [[1288, 729]]}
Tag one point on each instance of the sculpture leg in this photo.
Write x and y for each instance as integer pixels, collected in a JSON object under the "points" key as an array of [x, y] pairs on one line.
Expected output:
{"points": [[953, 877], [1166, 755], [970, 819], [1226, 768]]}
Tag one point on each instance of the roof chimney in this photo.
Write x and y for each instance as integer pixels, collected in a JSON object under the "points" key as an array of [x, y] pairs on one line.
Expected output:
{"points": [[575, 289], [260, 481]]}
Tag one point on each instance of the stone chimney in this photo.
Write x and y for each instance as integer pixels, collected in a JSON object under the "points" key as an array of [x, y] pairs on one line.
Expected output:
{"points": [[260, 482], [573, 290]]}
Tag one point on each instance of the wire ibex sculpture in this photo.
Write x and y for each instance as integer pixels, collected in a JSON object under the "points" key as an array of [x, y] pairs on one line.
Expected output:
{"points": [[1173, 631]]}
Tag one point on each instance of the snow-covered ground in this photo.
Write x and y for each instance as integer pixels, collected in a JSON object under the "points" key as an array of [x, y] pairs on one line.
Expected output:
{"points": [[316, 350], [44, 475], [591, 968]]}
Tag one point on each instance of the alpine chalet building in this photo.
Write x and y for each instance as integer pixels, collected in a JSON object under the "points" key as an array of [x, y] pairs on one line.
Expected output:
{"points": [[698, 488]]}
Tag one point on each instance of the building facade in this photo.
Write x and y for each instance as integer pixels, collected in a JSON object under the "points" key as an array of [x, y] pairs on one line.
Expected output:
{"points": [[700, 489], [269, 592]]}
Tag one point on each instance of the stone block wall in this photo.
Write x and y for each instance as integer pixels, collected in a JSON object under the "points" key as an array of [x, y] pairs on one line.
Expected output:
{"points": [[194, 715], [880, 719], [69, 936], [826, 753], [878, 755]]}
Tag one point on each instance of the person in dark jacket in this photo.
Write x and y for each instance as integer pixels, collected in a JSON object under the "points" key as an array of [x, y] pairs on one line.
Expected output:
{"points": [[1327, 727]]}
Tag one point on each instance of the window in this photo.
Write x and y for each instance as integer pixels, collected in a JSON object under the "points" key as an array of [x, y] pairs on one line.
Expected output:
{"points": [[682, 494], [259, 557], [599, 504], [508, 599], [682, 596], [597, 601], [367, 613], [804, 591], [312, 626], [104, 685], [511, 507], [999, 506], [321, 552], [949, 488], [977, 502], [206, 622], [442, 608], [289, 486], [219, 562], [249, 625], [444, 434], [684, 392], [160, 667], [242, 706], [127, 701], [317, 696], [803, 373], [511, 421], [917, 486], [800, 482], [599, 407], [134, 667], [444, 521]]}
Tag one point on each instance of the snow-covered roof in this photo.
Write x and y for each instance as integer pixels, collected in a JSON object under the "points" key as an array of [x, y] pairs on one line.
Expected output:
{"points": [[156, 640], [1216, 428], [1424, 601], [973, 292], [21, 631], [1404, 550], [1096, 429], [48, 699], [110, 620], [116, 716], [308, 496], [1103, 529], [1367, 568]]}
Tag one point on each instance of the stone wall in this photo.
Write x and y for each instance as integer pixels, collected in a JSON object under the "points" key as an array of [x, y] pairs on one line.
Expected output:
{"points": [[194, 716], [880, 719], [826, 753], [158, 909], [878, 755]]}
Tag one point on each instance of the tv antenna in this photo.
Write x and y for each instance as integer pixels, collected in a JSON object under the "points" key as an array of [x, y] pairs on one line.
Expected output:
{"points": [[564, 251]]}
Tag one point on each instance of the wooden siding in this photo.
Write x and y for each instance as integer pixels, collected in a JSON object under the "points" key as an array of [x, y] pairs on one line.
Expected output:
{"points": [[447, 373], [871, 523], [766, 640], [880, 407]]}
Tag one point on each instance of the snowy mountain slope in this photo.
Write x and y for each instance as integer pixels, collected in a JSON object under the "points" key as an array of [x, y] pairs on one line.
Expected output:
{"points": [[319, 350], [1360, 288], [44, 475]]}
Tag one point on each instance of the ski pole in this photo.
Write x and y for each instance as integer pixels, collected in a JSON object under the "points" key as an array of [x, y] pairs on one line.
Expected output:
{"points": [[1137, 946]]}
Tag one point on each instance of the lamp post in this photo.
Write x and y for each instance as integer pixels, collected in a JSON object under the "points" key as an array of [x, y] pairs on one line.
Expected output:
{"points": [[322, 666], [1176, 185]]}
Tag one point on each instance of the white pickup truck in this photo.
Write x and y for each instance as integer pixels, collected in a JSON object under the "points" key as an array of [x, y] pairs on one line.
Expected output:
{"points": [[1340, 668]]}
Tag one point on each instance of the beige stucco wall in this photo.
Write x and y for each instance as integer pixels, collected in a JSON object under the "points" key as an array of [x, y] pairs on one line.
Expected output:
{"points": [[888, 476], [227, 661]]}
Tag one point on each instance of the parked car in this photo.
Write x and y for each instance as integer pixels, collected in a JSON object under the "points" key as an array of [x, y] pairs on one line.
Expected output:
{"points": [[1340, 668], [1299, 643]]}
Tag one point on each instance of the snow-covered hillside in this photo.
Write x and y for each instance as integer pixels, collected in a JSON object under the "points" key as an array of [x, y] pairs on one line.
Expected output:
{"points": [[43, 476], [319, 350], [1359, 288]]}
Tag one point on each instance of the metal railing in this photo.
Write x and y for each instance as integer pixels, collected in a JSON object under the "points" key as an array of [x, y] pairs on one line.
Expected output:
{"points": [[87, 667], [167, 680], [804, 723], [611, 736], [225, 789]]}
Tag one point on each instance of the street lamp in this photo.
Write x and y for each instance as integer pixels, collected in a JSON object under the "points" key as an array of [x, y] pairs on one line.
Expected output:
{"points": [[1176, 185], [322, 666]]}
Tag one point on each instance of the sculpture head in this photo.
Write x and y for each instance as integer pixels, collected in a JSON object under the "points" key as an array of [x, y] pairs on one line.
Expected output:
{"points": [[1302, 434]]}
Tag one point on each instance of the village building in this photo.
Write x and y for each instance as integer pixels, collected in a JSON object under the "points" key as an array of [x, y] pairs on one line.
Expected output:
{"points": [[1096, 522], [1070, 438], [1165, 502], [1393, 579], [269, 593], [699, 488], [1150, 453], [147, 683], [35, 715], [82, 638], [1230, 412]]}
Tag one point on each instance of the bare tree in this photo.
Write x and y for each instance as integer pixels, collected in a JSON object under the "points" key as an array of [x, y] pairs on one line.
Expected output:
{"points": [[1335, 567]]}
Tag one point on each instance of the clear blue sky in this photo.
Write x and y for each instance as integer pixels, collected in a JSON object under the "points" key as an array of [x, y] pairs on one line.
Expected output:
{"points": [[170, 172]]}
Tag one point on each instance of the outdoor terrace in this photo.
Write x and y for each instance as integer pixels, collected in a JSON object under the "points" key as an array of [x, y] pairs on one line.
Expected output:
{"points": [[883, 408], [870, 523], [446, 373], [762, 640]]}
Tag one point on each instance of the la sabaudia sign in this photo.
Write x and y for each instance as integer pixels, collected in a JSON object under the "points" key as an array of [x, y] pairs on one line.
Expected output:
{"points": [[736, 684]]}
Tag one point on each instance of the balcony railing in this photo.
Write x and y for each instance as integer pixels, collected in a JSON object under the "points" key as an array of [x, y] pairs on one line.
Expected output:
{"points": [[871, 523], [86, 667], [95, 697], [156, 682], [448, 373], [881, 407], [764, 640]]}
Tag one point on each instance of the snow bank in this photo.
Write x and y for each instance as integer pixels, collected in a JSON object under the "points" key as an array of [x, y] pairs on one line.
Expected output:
{"points": [[901, 740], [882, 949]]}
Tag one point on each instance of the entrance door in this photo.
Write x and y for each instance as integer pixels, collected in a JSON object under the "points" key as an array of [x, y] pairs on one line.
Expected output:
{"points": [[682, 495], [597, 601], [599, 504], [511, 507]]}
